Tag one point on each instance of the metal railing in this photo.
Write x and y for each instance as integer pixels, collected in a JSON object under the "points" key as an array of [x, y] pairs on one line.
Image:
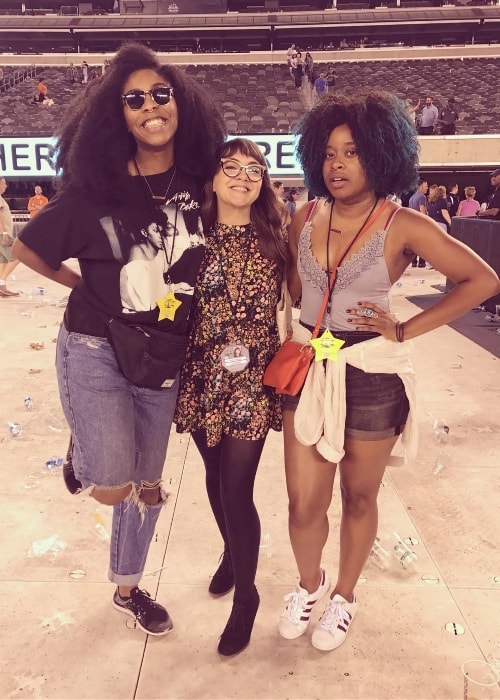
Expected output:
{"points": [[18, 75]]}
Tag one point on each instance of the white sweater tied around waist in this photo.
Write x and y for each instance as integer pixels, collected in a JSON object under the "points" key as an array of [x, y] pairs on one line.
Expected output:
{"points": [[321, 412]]}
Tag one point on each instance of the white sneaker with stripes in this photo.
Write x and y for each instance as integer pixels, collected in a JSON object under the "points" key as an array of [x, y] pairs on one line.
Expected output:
{"points": [[333, 626], [295, 619]]}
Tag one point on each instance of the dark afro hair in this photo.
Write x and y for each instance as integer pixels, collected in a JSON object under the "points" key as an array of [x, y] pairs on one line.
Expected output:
{"points": [[94, 144], [385, 138]]}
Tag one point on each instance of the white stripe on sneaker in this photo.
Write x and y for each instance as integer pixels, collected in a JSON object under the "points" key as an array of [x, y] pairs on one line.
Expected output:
{"points": [[333, 626], [300, 603]]}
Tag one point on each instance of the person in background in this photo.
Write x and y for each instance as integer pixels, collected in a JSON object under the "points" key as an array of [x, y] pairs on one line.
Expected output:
{"points": [[298, 71], [133, 156], [222, 401], [7, 260], [309, 68], [359, 395], [290, 54], [493, 204], [42, 90], [85, 72], [452, 199], [412, 109], [448, 117], [279, 189], [320, 86], [468, 206], [418, 202], [437, 208], [291, 200], [428, 118], [37, 202], [331, 78]]}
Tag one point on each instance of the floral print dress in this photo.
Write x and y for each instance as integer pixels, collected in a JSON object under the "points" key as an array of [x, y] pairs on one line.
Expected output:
{"points": [[234, 304]]}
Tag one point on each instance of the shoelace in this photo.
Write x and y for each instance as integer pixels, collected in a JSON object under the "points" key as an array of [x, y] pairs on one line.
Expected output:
{"points": [[296, 603], [236, 620], [334, 614], [139, 603]]}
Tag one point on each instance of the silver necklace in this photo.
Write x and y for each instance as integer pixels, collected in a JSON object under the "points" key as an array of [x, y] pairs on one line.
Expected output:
{"points": [[160, 197]]}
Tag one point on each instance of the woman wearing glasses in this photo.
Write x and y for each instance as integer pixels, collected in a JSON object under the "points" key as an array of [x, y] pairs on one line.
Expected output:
{"points": [[233, 336], [133, 157]]}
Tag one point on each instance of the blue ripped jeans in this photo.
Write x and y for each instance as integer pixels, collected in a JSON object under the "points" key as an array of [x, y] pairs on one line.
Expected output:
{"points": [[120, 435]]}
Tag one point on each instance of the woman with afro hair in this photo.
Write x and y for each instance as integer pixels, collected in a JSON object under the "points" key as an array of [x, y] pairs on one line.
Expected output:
{"points": [[350, 245], [133, 154]]}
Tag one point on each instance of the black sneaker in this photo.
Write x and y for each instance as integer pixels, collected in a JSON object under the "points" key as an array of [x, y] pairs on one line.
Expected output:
{"points": [[149, 615], [238, 630], [72, 483], [223, 579]]}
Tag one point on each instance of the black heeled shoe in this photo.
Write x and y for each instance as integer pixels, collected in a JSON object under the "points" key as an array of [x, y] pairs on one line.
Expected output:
{"points": [[237, 633], [72, 483], [223, 579]]}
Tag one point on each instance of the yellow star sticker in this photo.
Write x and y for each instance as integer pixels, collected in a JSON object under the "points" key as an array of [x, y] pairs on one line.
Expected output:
{"points": [[167, 306], [327, 347]]}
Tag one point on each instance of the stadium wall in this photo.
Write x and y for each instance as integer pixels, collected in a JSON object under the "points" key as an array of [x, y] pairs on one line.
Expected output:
{"points": [[399, 53]]}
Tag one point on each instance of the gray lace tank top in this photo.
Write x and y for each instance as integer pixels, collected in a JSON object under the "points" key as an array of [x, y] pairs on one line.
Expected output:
{"points": [[361, 277]]}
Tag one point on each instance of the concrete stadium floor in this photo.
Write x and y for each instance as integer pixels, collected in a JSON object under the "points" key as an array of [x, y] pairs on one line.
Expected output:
{"points": [[61, 637]]}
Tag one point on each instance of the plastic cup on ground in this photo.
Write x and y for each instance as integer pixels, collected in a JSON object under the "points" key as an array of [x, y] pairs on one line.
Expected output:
{"points": [[480, 680]]}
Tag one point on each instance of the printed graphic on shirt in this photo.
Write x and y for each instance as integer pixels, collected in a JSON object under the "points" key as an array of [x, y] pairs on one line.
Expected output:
{"points": [[157, 258]]}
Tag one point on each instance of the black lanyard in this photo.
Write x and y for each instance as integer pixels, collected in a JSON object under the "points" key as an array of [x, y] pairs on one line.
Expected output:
{"points": [[331, 275], [154, 212]]}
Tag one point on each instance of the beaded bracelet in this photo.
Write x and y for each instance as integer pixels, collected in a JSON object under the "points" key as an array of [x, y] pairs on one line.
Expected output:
{"points": [[400, 331]]}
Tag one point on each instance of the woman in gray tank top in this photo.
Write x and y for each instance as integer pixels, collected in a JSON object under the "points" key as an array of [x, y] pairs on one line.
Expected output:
{"points": [[354, 152]]}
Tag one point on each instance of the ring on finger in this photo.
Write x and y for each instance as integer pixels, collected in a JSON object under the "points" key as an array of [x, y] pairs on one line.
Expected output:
{"points": [[368, 313]]}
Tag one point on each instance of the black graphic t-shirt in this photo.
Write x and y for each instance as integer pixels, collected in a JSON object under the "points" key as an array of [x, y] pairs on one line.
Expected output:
{"points": [[131, 256]]}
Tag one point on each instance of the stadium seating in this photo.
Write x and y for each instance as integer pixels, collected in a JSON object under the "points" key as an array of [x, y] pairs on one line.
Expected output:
{"points": [[263, 98]]}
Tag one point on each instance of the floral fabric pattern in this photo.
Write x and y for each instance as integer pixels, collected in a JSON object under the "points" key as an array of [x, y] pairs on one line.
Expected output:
{"points": [[234, 304]]}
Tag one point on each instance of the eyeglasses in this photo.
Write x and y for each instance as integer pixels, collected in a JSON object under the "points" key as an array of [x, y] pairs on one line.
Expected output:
{"points": [[232, 168], [135, 99]]}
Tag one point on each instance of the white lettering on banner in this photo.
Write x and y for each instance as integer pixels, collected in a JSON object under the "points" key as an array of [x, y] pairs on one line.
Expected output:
{"points": [[32, 157], [279, 152], [28, 157]]}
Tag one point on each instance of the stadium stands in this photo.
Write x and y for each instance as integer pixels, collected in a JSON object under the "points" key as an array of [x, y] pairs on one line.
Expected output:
{"points": [[263, 99]]}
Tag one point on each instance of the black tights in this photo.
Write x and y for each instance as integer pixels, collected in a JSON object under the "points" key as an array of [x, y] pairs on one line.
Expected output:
{"points": [[230, 475]]}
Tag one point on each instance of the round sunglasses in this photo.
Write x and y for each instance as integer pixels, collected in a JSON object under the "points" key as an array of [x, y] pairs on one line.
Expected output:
{"points": [[135, 99]]}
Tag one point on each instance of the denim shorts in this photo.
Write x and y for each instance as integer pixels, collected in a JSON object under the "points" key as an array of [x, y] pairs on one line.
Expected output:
{"points": [[120, 431], [376, 404]]}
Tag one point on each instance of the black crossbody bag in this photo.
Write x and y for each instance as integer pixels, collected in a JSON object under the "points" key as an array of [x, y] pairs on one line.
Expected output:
{"points": [[146, 357]]}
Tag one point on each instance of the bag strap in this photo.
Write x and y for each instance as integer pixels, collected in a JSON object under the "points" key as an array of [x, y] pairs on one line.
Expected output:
{"points": [[339, 260], [310, 209], [391, 216]]}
